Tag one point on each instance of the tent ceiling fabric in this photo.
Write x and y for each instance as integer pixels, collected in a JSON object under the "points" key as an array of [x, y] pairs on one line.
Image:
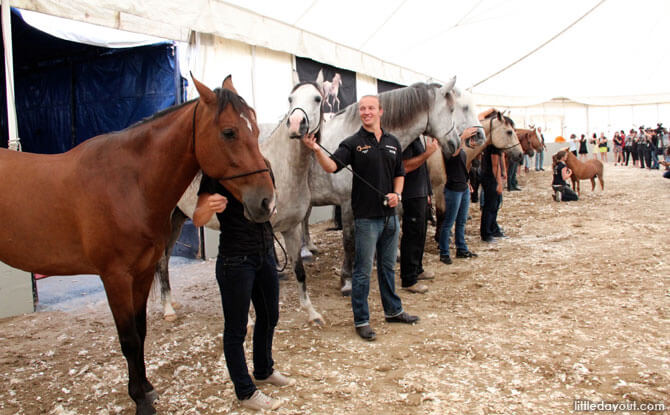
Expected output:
{"points": [[616, 54]]}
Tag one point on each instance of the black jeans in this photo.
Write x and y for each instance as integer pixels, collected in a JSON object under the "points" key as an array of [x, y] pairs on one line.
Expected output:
{"points": [[512, 167], [626, 154], [245, 279], [567, 194], [413, 240], [489, 220]]}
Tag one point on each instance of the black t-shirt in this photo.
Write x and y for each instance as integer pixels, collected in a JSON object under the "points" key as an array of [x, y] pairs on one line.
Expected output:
{"points": [[417, 182], [239, 236], [457, 174], [487, 168], [378, 162], [558, 175]]}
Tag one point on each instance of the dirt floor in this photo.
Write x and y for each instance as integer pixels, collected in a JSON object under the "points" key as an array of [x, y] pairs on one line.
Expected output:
{"points": [[575, 304]]}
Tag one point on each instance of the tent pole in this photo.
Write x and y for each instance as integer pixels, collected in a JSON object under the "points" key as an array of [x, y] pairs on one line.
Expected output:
{"points": [[253, 75], [14, 141]]}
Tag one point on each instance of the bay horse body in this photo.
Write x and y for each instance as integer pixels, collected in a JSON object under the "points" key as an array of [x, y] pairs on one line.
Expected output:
{"points": [[290, 160], [581, 170], [104, 207]]}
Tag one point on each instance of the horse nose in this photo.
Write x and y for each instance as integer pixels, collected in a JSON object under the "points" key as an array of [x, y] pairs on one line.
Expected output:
{"points": [[297, 125]]}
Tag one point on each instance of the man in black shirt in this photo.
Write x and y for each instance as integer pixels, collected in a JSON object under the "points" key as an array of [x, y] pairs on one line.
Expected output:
{"points": [[245, 272], [376, 160], [491, 179], [415, 194]]}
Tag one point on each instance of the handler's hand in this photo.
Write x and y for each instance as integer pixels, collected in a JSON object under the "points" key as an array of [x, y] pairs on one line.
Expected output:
{"points": [[499, 188], [432, 145], [217, 203], [309, 140], [393, 199], [468, 133]]}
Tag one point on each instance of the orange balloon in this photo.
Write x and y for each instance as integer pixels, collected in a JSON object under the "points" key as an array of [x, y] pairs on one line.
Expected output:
{"points": [[559, 139]]}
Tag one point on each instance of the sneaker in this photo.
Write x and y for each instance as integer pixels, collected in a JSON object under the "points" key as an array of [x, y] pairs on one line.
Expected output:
{"points": [[446, 259], [425, 275], [259, 401], [277, 379], [366, 333], [417, 288], [403, 318], [465, 254]]}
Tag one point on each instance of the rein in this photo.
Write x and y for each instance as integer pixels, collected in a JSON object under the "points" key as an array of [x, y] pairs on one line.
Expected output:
{"points": [[236, 176], [318, 125]]}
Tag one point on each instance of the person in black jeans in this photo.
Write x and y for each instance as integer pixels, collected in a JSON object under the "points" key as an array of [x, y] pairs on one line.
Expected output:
{"points": [[561, 174], [246, 272], [491, 180], [415, 196]]}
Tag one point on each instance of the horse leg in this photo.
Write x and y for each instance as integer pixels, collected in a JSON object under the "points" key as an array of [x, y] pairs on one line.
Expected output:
{"points": [[162, 274], [129, 312], [593, 183], [306, 236], [293, 240], [349, 249]]}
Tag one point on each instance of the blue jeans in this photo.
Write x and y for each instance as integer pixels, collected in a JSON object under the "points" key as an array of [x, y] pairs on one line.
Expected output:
{"points": [[539, 160], [245, 279], [456, 210], [380, 234], [526, 161]]}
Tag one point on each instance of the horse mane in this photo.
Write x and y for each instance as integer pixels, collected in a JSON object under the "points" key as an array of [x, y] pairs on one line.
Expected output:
{"points": [[224, 97], [401, 106]]}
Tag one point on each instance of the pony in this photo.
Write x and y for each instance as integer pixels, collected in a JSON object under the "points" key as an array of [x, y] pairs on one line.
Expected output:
{"points": [[581, 170], [331, 90], [104, 207], [529, 140], [291, 160], [435, 110], [500, 133]]}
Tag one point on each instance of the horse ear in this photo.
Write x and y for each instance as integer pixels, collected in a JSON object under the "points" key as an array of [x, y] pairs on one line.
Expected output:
{"points": [[319, 78], [448, 86], [228, 84], [499, 116], [296, 78], [206, 94]]}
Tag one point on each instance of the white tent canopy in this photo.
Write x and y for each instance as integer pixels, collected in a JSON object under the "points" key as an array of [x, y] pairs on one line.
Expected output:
{"points": [[599, 52]]}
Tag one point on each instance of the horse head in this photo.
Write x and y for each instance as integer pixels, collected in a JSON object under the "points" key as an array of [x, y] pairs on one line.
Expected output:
{"points": [[305, 113], [225, 140], [441, 123], [524, 139], [503, 136], [462, 106]]}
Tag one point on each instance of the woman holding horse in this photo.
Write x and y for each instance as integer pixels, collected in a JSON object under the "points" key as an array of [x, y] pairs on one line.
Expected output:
{"points": [[562, 191], [245, 272]]}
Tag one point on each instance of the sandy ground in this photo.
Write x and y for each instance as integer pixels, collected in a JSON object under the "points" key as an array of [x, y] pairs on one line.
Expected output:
{"points": [[574, 305]]}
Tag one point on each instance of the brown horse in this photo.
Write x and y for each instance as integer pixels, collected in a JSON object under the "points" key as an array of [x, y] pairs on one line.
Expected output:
{"points": [[584, 170], [530, 142], [104, 207]]}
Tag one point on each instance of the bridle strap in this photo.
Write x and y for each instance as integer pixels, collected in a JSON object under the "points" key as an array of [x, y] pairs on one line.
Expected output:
{"points": [[318, 125], [236, 176]]}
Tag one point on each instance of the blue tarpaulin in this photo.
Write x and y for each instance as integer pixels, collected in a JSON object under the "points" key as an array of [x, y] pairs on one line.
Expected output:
{"points": [[67, 92]]}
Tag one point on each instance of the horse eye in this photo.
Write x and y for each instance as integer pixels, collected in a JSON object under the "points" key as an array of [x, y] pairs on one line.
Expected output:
{"points": [[466, 108], [317, 99], [290, 100], [228, 134]]}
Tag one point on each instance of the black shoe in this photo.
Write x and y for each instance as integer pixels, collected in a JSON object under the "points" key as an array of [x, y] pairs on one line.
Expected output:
{"points": [[500, 235], [445, 259], [366, 333], [402, 318], [490, 240], [465, 254], [515, 189]]}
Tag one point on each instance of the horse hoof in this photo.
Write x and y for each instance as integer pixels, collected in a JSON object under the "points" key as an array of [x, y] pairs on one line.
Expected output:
{"points": [[145, 409], [151, 395], [170, 317], [318, 321]]}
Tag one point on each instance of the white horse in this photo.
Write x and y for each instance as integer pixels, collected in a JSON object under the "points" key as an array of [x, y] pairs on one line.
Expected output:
{"points": [[331, 89], [291, 161], [430, 109]]}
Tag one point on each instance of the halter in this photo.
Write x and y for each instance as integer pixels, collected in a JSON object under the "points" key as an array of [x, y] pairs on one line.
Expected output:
{"points": [[491, 133], [236, 176], [318, 125]]}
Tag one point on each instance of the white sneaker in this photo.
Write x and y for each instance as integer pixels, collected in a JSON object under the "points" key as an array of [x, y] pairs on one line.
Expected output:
{"points": [[277, 379], [259, 401]]}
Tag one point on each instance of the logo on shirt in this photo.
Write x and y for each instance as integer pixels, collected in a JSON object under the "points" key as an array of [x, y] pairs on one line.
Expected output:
{"points": [[363, 149], [391, 149]]}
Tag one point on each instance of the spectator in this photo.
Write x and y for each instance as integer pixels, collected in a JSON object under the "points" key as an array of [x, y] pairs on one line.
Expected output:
{"points": [[628, 146], [617, 142], [602, 147], [582, 147], [539, 157], [573, 144]]}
